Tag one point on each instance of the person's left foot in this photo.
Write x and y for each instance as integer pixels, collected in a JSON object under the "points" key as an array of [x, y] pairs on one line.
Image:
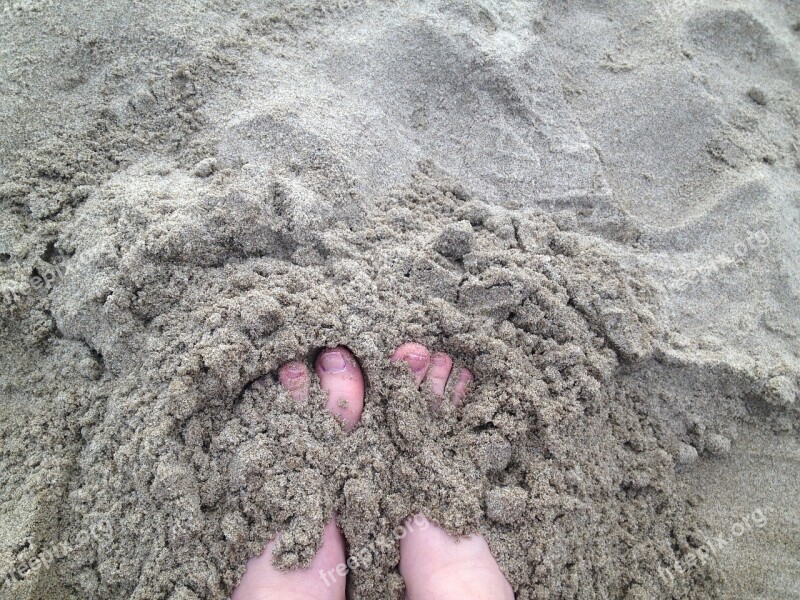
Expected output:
{"points": [[341, 377]]}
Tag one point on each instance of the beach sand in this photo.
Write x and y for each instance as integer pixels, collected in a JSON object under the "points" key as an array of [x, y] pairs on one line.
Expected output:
{"points": [[593, 205]]}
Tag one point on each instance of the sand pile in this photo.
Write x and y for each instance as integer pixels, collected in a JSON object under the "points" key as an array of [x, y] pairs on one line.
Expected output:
{"points": [[202, 288], [192, 198]]}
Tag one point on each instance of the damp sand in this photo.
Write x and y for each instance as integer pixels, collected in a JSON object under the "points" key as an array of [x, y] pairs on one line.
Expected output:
{"points": [[594, 208]]}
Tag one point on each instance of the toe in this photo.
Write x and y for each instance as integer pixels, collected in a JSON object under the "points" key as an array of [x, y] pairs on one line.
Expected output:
{"points": [[437, 565], [341, 377], [263, 581], [416, 356], [439, 371], [295, 378], [462, 386]]}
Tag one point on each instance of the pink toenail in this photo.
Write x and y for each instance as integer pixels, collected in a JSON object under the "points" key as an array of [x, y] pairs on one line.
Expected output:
{"points": [[294, 371], [332, 362], [416, 362], [440, 360]]}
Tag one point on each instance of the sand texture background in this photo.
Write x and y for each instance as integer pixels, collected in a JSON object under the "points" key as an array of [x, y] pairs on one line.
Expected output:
{"points": [[594, 205]]}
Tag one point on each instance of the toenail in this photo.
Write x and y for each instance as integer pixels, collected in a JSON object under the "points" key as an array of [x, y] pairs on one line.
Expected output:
{"points": [[440, 360], [417, 362], [332, 361], [293, 371]]}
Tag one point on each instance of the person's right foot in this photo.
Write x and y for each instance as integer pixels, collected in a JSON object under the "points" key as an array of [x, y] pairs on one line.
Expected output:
{"points": [[434, 564], [433, 369], [437, 566]]}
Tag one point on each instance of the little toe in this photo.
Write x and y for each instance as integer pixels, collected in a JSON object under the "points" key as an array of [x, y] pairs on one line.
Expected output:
{"points": [[294, 376], [341, 377], [416, 356]]}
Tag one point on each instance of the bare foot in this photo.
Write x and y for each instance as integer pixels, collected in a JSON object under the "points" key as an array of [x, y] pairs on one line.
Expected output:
{"points": [[340, 376], [435, 565], [433, 370]]}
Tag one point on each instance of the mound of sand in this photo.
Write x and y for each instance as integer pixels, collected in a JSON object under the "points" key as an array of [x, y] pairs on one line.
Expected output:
{"points": [[594, 207]]}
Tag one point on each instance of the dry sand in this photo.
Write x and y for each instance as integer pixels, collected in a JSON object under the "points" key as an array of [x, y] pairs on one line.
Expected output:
{"points": [[593, 205]]}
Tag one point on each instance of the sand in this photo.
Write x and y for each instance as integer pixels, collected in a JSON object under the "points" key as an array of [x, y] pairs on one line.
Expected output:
{"points": [[592, 205]]}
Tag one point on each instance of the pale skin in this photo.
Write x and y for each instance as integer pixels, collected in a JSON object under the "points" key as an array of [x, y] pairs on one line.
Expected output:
{"points": [[434, 565]]}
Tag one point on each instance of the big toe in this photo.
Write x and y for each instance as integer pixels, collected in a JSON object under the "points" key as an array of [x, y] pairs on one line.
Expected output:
{"points": [[341, 377], [437, 566]]}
